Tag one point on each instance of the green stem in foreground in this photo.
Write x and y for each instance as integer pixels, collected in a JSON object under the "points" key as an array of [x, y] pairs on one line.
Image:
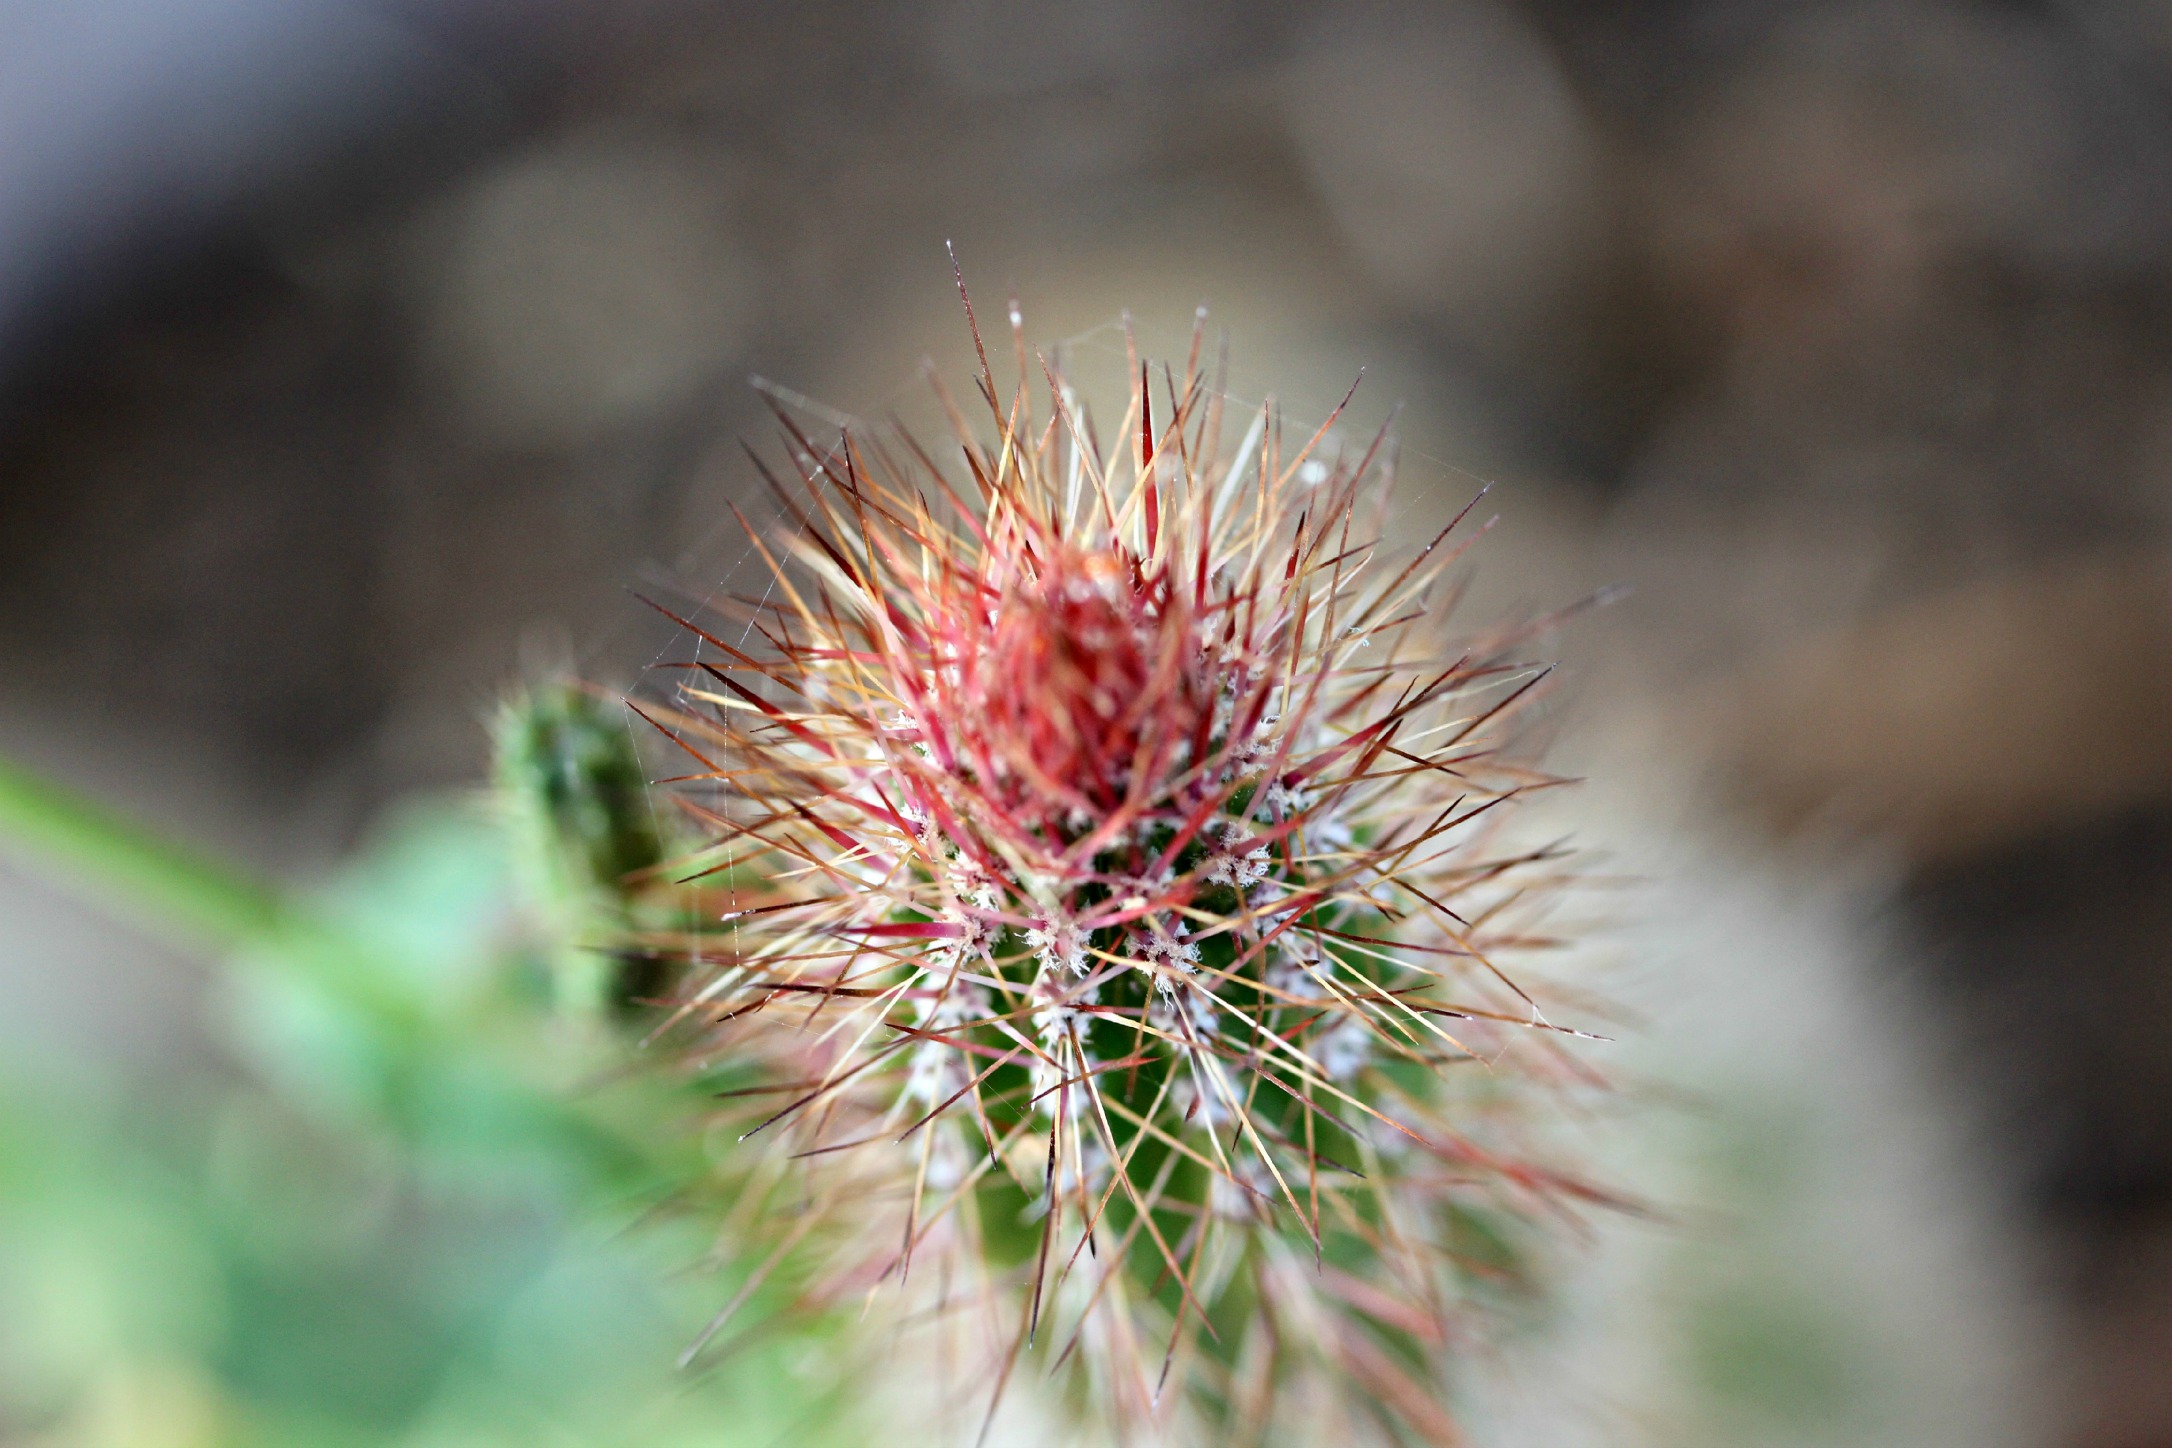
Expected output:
{"points": [[134, 871]]}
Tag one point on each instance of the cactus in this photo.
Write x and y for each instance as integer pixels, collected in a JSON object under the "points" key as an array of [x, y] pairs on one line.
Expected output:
{"points": [[1110, 893]]}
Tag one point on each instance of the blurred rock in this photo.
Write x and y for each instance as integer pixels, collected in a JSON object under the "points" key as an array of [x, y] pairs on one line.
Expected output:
{"points": [[2058, 950], [1971, 719], [586, 284], [1458, 165], [1004, 47]]}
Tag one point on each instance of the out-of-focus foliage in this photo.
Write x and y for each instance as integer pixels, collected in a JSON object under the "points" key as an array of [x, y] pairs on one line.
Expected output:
{"points": [[423, 1211]]}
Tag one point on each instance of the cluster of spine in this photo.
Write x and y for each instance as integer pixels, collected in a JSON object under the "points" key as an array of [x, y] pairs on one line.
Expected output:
{"points": [[1117, 914]]}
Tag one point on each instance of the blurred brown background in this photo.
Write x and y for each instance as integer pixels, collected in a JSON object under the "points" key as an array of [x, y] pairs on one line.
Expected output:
{"points": [[352, 353]]}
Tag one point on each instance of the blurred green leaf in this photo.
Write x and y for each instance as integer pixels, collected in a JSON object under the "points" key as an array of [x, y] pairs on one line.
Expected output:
{"points": [[429, 1220]]}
